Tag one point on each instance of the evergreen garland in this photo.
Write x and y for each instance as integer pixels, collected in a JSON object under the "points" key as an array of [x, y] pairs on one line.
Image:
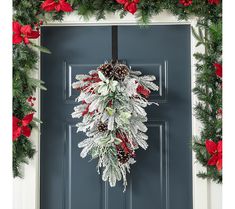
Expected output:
{"points": [[208, 85], [209, 92]]}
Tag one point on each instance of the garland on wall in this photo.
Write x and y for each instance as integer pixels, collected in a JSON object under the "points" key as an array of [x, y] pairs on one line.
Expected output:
{"points": [[208, 146], [29, 15]]}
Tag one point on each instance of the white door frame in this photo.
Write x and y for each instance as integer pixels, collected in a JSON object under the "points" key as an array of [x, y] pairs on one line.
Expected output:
{"points": [[27, 190]]}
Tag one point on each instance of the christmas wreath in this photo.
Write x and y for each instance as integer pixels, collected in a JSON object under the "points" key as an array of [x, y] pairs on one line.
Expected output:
{"points": [[113, 98]]}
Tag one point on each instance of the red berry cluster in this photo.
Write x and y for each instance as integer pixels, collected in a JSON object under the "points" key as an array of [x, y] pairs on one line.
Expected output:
{"points": [[37, 25], [31, 99]]}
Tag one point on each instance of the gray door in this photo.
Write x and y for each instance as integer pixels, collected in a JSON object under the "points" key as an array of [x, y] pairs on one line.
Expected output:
{"points": [[162, 176]]}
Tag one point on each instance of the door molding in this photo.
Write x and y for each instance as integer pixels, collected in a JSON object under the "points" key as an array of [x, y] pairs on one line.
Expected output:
{"points": [[29, 187]]}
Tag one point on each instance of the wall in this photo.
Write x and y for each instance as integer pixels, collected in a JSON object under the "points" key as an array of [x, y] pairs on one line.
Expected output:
{"points": [[207, 195]]}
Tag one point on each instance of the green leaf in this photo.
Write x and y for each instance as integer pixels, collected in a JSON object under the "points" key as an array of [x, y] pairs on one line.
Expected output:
{"points": [[195, 34], [104, 141], [110, 111], [200, 33], [117, 141], [37, 120], [124, 116], [199, 43], [101, 76], [41, 48], [199, 36], [71, 2], [37, 83], [113, 85]]}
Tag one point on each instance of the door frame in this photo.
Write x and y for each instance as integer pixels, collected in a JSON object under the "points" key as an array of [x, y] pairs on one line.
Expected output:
{"points": [[30, 186]]}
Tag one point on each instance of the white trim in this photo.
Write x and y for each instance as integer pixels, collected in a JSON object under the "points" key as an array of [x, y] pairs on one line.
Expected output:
{"points": [[31, 182]]}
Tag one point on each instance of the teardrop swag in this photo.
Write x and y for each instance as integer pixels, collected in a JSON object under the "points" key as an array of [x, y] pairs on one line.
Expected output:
{"points": [[113, 99]]}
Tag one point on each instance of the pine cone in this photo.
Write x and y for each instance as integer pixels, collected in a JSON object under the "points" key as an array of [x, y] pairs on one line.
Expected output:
{"points": [[102, 127], [121, 71], [107, 69], [122, 156]]}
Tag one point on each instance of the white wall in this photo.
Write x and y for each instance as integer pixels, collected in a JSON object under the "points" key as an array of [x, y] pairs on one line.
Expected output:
{"points": [[215, 195], [206, 195], [26, 190]]}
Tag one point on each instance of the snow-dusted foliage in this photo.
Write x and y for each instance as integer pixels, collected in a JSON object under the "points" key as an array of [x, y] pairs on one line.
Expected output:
{"points": [[112, 105]]}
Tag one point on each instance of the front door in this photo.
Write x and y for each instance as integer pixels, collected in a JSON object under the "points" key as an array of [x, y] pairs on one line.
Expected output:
{"points": [[162, 176]]}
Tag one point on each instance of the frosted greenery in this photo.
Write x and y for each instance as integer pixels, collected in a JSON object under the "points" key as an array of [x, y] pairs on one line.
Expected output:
{"points": [[125, 116]]}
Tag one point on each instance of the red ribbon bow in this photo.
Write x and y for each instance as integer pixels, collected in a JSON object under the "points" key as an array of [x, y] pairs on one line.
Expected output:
{"points": [[123, 145], [23, 33], [20, 127], [61, 5], [215, 150], [141, 90]]}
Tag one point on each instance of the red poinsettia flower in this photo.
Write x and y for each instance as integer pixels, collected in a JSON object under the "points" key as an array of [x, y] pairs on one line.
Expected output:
{"points": [[122, 1], [215, 150], [186, 3], [129, 5], [216, 2], [20, 127], [141, 90], [61, 5], [219, 69], [23, 33]]}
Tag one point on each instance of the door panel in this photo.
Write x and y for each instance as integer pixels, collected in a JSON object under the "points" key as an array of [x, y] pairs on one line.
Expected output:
{"points": [[63, 182], [164, 51], [162, 176]]}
